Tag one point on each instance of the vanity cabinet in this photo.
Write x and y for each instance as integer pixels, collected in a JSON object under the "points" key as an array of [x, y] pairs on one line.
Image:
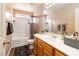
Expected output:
{"points": [[46, 53], [48, 50], [41, 48], [35, 46], [58, 53]]}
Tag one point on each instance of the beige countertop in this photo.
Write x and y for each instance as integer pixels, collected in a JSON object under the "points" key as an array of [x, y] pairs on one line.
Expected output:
{"points": [[58, 44]]}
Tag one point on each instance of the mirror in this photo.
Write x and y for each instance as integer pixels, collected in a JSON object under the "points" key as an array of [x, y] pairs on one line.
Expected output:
{"points": [[47, 23]]}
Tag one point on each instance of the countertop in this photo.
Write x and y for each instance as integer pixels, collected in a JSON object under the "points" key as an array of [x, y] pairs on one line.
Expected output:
{"points": [[58, 44]]}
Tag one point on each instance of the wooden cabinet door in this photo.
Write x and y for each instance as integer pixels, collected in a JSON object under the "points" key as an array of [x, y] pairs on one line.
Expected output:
{"points": [[57, 53], [49, 49], [40, 50], [35, 46], [46, 53]]}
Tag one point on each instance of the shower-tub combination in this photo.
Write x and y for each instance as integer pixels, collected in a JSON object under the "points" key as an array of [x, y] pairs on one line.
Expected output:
{"points": [[23, 32]]}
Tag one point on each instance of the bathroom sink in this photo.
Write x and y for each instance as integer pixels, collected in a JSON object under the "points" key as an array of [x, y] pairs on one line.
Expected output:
{"points": [[72, 42]]}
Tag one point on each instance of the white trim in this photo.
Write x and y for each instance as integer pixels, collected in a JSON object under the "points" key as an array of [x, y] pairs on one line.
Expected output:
{"points": [[9, 51]]}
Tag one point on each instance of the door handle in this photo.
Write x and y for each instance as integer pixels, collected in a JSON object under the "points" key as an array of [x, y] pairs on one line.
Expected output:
{"points": [[6, 43]]}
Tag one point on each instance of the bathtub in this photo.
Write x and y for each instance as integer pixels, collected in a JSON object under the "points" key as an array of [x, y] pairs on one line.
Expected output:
{"points": [[18, 41]]}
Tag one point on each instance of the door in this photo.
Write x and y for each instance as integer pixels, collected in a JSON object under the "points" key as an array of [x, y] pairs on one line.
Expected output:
{"points": [[4, 42], [0, 30], [1, 40], [7, 44]]}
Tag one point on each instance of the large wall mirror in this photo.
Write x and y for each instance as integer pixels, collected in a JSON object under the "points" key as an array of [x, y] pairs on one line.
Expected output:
{"points": [[47, 24]]}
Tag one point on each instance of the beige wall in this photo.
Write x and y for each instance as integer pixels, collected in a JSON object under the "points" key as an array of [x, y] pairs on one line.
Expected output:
{"points": [[65, 15]]}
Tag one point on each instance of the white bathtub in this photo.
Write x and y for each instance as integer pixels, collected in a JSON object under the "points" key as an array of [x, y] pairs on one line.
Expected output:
{"points": [[19, 41]]}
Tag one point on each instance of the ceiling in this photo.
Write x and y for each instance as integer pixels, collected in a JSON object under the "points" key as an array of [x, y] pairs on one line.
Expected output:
{"points": [[24, 6], [56, 7], [33, 7]]}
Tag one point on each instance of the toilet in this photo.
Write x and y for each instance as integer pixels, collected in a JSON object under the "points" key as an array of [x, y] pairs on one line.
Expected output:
{"points": [[30, 43]]}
